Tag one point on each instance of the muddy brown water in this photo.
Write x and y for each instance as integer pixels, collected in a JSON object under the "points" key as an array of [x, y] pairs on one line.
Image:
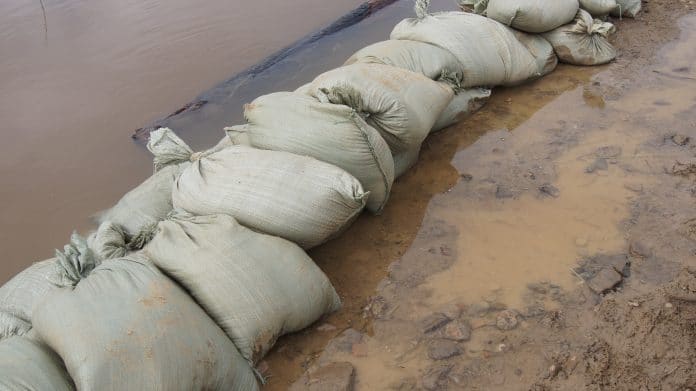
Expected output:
{"points": [[72, 91]]}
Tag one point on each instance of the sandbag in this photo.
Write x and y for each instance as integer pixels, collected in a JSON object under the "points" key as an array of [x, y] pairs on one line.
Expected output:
{"points": [[532, 16], [598, 7], [405, 160], [336, 134], [139, 210], [256, 287], [489, 52], [628, 8], [584, 42], [295, 197], [465, 103], [402, 105], [129, 327], [20, 295], [426, 59], [29, 365], [541, 50]]}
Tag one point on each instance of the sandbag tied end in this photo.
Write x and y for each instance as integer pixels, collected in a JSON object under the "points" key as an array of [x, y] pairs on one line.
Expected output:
{"points": [[76, 261], [111, 241], [421, 8], [168, 149]]}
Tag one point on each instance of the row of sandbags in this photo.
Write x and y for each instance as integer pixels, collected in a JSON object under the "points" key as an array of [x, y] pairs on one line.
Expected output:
{"points": [[192, 276]]}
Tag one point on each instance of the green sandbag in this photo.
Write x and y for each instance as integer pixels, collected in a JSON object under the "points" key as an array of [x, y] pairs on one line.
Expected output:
{"points": [[402, 105], [335, 134], [584, 42], [598, 7], [426, 59], [629, 8], [282, 194], [128, 327], [29, 365], [20, 295], [489, 52], [532, 16], [256, 287]]}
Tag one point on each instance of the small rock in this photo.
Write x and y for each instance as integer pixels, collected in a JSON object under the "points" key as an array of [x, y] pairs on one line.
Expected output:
{"points": [[537, 287], [506, 320], [553, 370], [549, 190], [433, 322], [441, 349], [605, 280], [337, 376], [608, 152], [597, 165], [503, 192], [452, 311], [634, 187], [466, 177], [518, 372], [345, 341], [326, 327], [616, 262], [458, 330], [436, 378], [680, 139], [668, 305]]}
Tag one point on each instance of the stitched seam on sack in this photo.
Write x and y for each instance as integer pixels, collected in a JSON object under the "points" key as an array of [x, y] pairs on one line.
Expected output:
{"points": [[363, 132]]}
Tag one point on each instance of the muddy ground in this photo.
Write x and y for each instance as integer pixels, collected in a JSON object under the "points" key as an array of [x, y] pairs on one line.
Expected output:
{"points": [[548, 242]]}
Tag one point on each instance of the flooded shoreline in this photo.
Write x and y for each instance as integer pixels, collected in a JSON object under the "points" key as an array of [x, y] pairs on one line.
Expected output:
{"points": [[73, 94]]}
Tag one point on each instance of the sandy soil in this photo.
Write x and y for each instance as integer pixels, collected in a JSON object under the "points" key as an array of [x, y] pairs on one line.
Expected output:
{"points": [[548, 242]]}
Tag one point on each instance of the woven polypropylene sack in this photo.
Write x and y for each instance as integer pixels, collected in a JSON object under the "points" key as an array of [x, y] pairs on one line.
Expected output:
{"points": [[598, 7], [489, 52], [402, 105], [295, 197], [629, 8], [405, 160], [256, 287], [532, 16], [583, 42], [29, 365], [541, 50], [336, 134], [465, 103], [426, 59], [141, 208], [129, 327], [20, 295]]}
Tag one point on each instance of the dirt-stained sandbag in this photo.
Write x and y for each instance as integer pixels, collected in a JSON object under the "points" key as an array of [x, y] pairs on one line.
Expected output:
{"points": [[541, 50], [598, 7], [465, 103], [256, 287], [29, 365], [129, 327], [20, 295], [489, 52], [532, 16], [584, 42], [401, 105], [419, 57], [405, 160], [629, 8], [336, 134], [294, 197]]}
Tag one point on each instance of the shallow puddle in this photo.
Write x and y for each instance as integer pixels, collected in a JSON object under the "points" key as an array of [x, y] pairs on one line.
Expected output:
{"points": [[546, 175]]}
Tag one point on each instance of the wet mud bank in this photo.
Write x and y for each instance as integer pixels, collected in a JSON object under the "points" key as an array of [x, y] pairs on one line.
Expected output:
{"points": [[547, 242]]}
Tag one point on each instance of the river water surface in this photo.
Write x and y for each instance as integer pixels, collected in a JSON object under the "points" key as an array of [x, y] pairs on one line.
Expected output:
{"points": [[77, 79]]}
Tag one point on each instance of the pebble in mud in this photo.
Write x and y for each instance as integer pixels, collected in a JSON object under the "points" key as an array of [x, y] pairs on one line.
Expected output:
{"points": [[605, 280], [436, 378], [434, 322], [680, 139], [458, 330], [506, 320], [597, 165], [338, 376], [441, 349], [608, 152], [549, 190]]}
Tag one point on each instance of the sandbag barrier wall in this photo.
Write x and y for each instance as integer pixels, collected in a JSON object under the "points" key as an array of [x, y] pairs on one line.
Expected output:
{"points": [[195, 273]]}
